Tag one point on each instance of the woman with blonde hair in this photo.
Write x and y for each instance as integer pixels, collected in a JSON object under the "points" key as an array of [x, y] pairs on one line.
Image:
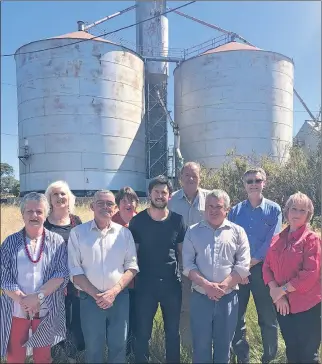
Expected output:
{"points": [[61, 220], [292, 271]]}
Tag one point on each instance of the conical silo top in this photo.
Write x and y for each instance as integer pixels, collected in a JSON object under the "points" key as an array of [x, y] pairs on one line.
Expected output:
{"points": [[232, 46], [81, 35]]}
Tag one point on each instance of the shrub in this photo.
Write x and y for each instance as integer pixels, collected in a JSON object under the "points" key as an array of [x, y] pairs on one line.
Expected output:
{"points": [[301, 172]]}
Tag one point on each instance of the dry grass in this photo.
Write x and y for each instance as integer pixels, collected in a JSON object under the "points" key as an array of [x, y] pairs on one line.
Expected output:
{"points": [[11, 222]]}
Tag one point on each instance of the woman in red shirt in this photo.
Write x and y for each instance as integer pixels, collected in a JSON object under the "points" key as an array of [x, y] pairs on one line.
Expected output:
{"points": [[292, 271], [127, 202]]}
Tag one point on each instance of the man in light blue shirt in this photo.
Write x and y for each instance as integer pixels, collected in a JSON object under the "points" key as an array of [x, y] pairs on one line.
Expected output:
{"points": [[261, 219], [216, 258]]}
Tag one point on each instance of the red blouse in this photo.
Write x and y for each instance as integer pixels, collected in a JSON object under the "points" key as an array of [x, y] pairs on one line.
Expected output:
{"points": [[118, 219], [296, 259]]}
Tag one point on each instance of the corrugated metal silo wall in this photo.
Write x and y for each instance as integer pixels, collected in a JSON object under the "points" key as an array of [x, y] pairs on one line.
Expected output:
{"points": [[81, 108], [240, 100]]}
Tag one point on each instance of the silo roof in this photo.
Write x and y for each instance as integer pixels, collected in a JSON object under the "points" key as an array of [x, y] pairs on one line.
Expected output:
{"points": [[81, 35], [232, 46], [75, 35]]}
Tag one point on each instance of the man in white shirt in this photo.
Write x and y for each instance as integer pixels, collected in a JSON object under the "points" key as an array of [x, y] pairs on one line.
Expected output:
{"points": [[190, 203], [102, 261]]}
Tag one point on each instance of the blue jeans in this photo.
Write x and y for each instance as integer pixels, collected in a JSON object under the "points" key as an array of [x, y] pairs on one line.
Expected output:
{"points": [[212, 323], [96, 322]]}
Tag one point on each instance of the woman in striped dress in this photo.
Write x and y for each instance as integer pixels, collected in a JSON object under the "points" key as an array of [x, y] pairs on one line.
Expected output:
{"points": [[34, 273]]}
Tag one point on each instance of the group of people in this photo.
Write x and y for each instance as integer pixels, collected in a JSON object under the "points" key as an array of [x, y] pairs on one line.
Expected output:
{"points": [[189, 252]]}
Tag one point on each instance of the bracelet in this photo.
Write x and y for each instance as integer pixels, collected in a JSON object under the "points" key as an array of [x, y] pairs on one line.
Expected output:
{"points": [[120, 286]]}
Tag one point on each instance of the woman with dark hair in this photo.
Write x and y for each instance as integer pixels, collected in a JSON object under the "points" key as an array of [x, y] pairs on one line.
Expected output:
{"points": [[61, 220], [292, 270], [127, 202]]}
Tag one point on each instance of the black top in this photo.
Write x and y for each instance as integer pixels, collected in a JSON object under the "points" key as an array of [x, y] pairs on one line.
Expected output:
{"points": [[63, 230], [158, 244]]}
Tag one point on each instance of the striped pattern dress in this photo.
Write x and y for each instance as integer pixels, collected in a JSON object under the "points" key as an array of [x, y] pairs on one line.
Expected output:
{"points": [[52, 328]]}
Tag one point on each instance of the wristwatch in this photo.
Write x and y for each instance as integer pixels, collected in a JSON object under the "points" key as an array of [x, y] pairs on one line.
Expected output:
{"points": [[41, 296], [284, 288]]}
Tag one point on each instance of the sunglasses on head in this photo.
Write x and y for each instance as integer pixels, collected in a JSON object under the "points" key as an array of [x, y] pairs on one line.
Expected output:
{"points": [[251, 181]]}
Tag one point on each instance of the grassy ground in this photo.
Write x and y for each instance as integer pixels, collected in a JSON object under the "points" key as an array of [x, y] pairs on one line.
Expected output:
{"points": [[11, 222]]}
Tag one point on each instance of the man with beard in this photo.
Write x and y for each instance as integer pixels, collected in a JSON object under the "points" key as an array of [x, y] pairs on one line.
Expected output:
{"points": [[158, 234], [102, 262], [261, 219], [190, 203]]}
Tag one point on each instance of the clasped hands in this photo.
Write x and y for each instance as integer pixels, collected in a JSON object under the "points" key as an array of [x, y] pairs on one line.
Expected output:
{"points": [[280, 300], [29, 303], [215, 291], [106, 299]]}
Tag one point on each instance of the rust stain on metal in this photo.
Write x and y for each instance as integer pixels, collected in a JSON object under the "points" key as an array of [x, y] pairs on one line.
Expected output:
{"points": [[77, 67], [58, 104], [97, 73], [98, 56], [97, 106]]}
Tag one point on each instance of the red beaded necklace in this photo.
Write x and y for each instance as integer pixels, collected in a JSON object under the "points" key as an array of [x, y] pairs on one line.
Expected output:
{"points": [[41, 247]]}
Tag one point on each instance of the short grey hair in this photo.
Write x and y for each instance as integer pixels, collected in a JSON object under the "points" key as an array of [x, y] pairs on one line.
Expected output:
{"points": [[254, 171], [299, 197], [64, 186], [34, 196], [191, 164], [102, 192], [219, 194]]}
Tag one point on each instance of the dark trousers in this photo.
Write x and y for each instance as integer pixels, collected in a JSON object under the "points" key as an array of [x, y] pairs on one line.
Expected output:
{"points": [[73, 323], [148, 295], [132, 323], [302, 335], [266, 317]]}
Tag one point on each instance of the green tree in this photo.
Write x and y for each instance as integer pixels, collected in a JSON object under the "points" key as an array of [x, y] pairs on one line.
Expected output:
{"points": [[6, 170], [9, 185], [301, 172]]}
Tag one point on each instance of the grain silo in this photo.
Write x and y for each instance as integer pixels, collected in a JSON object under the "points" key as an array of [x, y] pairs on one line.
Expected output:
{"points": [[80, 114], [237, 97]]}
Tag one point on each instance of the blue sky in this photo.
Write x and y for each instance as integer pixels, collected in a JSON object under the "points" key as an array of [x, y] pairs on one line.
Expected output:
{"points": [[292, 28]]}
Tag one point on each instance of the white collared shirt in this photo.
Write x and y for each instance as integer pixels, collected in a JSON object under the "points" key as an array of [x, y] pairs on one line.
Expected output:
{"points": [[102, 256], [30, 276], [192, 212]]}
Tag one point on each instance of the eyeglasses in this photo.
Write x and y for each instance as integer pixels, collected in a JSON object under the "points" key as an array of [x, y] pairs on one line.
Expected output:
{"points": [[251, 181], [103, 203]]}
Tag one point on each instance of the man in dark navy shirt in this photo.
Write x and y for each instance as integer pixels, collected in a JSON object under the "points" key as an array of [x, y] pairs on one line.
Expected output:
{"points": [[261, 219], [158, 234]]}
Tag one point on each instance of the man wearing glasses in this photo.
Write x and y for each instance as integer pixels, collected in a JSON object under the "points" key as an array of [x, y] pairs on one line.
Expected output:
{"points": [[261, 219], [102, 262]]}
